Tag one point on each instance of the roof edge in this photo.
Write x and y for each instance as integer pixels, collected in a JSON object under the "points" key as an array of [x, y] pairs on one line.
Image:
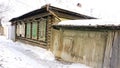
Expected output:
{"points": [[49, 7]]}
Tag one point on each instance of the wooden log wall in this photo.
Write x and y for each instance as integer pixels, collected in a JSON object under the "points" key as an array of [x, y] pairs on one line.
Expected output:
{"points": [[41, 26]]}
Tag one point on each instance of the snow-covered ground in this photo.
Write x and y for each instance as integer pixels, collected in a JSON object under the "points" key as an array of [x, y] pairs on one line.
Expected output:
{"points": [[19, 55]]}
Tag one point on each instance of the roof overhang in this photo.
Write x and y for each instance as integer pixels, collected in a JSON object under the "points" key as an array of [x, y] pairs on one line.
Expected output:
{"points": [[46, 8]]}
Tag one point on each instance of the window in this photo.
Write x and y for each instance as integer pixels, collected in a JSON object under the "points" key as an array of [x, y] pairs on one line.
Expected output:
{"points": [[34, 30], [42, 29], [22, 29]]}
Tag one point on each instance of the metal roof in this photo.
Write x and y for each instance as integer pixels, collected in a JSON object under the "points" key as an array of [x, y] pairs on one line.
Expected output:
{"points": [[46, 8]]}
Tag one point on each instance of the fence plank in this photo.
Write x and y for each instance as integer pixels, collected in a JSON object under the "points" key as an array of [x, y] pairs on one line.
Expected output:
{"points": [[107, 55]]}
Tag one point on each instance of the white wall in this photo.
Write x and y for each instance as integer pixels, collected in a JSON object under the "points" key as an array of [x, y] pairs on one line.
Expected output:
{"points": [[9, 31]]}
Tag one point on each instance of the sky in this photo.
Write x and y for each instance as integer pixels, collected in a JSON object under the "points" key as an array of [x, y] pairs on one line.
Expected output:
{"points": [[101, 8], [96, 8]]}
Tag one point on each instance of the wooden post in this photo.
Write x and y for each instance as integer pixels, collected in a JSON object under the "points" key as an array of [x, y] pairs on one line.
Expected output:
{"points": [[30, 30], [25, 30]]}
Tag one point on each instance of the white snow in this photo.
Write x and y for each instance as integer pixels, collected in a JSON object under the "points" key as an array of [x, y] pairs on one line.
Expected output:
{"points": [[20, 55], [91, 22]]}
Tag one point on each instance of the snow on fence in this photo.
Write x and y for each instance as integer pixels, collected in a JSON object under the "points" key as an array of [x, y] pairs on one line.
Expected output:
{"points": [[96, 45]]}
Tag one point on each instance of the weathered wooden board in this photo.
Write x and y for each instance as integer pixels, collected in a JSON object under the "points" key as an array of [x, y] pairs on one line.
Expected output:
{"points": [[86, 47], [22, 29], [56, 43], [108, 49], [115, 58]]}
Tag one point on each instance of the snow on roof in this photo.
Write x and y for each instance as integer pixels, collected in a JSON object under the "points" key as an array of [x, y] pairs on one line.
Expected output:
{"points": [[72, 8], [90, 22], [46, 7]]}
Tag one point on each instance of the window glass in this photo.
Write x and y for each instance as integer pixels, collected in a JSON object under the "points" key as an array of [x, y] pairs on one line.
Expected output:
{"points": [[34, 30]]}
